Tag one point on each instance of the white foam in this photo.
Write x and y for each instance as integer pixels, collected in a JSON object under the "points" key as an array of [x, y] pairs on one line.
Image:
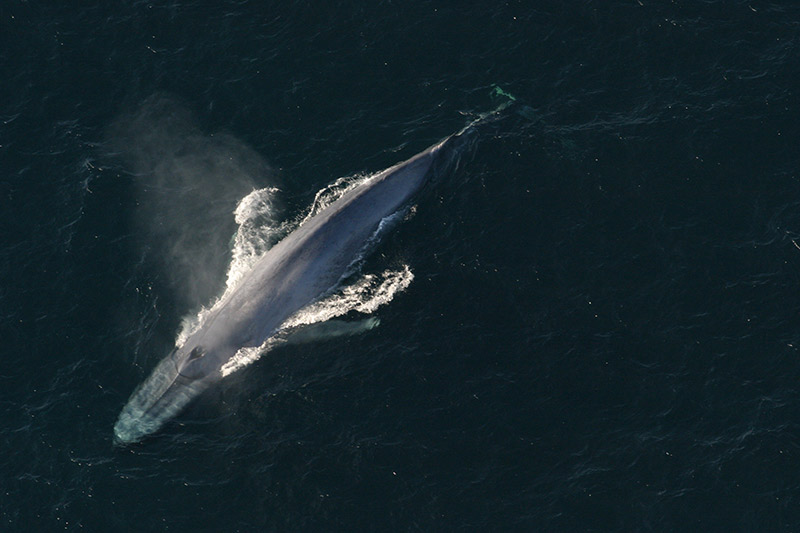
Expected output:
{"points": [[364, 296], [330, 193], [248, 355], [257, 233]]}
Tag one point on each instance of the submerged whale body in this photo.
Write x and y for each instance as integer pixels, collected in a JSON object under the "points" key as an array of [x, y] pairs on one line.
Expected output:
{"points": [[294, 273]]}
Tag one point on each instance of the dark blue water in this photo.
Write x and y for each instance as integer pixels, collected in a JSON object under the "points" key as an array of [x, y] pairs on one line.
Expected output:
{"points": [[602, 333]]}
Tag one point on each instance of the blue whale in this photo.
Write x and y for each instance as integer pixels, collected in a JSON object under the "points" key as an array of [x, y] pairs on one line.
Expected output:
{"points": [[297, 271]]}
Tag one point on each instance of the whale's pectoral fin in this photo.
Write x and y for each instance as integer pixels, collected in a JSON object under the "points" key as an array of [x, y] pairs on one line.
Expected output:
{"points": [[329, 329]]}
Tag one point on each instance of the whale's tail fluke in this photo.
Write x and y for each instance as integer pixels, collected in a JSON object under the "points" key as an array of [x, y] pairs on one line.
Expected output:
{"points": [[506, 100]]}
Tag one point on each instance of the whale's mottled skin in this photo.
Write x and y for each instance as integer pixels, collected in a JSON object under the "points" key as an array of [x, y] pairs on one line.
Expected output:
{"points": [[295, 272]]}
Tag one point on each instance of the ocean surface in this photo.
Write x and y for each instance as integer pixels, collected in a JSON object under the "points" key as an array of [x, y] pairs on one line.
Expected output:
{"points": [[596, 325]]}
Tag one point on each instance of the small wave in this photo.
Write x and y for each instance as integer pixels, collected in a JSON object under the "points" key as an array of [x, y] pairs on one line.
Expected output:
{"points": [[330, 193], [248, 355], [256, 234]]}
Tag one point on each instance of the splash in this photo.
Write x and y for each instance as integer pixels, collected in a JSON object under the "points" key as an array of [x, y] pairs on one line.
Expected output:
{"points": [[364, 296], [330, 193], [256, 234]]}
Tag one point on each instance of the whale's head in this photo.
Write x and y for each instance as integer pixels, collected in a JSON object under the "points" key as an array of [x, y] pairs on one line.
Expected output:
{"points": [[179, 378]]}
